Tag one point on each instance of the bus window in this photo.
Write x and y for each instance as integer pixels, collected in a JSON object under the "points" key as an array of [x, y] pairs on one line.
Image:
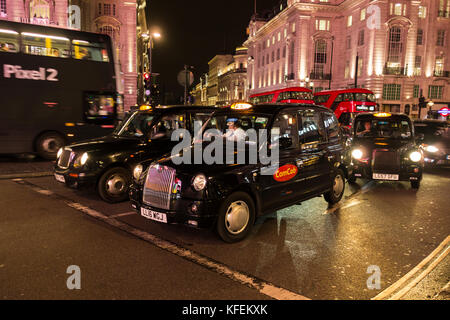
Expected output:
{"points": [[364, 97], [9, 41], [99, 107], [295, 95], [84, 50], [348, 96], [45, 45], [321, 99]]}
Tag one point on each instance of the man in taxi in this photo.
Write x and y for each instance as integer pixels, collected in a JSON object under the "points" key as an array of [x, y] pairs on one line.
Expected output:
{"points": [[367, 129], [234, 131]]}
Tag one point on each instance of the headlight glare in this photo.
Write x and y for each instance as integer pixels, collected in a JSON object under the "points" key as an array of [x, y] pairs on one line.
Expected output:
{"points": [[199, 182], [431, 149], [137, 172], [81, 160], [60, 151], [357, 154], [415, 156]]}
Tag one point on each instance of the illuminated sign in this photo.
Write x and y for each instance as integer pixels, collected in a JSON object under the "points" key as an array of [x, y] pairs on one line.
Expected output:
{"points": [[382, 115], [285, 173], [365, 108], [241, 106], [42, 74], [444, 111]]}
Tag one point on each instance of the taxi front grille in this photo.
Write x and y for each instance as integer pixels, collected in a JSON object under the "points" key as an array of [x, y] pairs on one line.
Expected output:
{"points": [[158, 186], [64, 159], [385, 161]]}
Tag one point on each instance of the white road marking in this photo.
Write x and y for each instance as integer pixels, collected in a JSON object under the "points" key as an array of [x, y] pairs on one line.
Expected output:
{"points": [[343, 204], [443, 246], [263, 287], [122, 214]]}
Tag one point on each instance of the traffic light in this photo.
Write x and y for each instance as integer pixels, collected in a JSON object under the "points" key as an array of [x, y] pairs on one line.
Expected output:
{"points": [[147, 85], [422, 103]]}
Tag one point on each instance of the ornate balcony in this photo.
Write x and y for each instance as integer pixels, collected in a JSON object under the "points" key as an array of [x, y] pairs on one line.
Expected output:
{"points": [[396, 71], [319, 76], [441, 73]]}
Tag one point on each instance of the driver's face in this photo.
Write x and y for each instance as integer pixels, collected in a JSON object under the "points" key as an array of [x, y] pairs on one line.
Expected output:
{"points": [[367, 125], [230, 125]]}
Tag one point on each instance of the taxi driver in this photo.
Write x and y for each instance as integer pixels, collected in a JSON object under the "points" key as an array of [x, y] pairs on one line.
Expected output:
{"points": [[234, 132]]}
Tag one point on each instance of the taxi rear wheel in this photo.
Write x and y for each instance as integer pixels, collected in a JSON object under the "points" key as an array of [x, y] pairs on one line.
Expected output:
{"points": [[415, 184], [114, 184], [48, 144], [338, 187], [236, 217]]}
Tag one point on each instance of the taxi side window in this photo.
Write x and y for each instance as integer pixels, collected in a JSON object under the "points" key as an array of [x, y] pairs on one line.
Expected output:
{"points": [[286, 126], [331, 125], [310, 129], [164, 128]]}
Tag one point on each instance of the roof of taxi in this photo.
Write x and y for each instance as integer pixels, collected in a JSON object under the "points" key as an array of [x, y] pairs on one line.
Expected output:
{"points": [[373, 115], [181, 107], [272, 108]]}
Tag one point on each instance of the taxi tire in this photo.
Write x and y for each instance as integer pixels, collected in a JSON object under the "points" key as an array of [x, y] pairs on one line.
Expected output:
{"points": [[415, 184], [329, 196], [101, 186], [221, 229], [55, 139]]}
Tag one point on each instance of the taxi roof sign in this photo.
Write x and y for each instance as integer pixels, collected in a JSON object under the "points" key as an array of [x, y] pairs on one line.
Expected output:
{"points": [[382, 115], [241, 106], [145, 107]]}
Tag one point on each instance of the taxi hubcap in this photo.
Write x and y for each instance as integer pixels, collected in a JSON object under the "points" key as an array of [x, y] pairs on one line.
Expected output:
{"points": [[237, 217], [338, 185], [115, 184]]}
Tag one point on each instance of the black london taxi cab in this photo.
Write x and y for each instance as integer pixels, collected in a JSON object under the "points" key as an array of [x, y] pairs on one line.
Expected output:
{"points": [[435, 141], [107, 162], [229, 195], [383, 147]]}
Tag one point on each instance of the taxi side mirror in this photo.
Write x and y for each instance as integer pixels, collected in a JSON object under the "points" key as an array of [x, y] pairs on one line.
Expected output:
{"points": [[285, 142]]}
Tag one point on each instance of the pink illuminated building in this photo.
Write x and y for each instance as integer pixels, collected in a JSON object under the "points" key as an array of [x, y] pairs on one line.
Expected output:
{"points": [[113, 17], [396, 48]]}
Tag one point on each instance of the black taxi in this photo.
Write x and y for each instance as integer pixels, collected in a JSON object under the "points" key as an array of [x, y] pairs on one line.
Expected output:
{"points": [[305, 148], [107, 162], [383, 147]]}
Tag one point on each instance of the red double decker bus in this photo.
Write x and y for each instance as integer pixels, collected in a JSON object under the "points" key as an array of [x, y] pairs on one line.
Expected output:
{"points": [[346, 102], [286, 95]]}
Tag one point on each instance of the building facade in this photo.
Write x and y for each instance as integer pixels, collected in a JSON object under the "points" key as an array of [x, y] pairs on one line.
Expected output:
{"points": [[226, 80], [113, 17], [396, 48]]}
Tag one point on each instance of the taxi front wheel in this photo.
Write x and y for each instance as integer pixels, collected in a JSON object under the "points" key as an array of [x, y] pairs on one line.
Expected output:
{"points": [[113, 185], [236, 217], [337, 189]]}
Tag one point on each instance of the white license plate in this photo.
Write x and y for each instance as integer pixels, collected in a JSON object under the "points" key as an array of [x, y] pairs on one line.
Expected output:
{"points": [[385, 176], [153, 215], [60, 178]]}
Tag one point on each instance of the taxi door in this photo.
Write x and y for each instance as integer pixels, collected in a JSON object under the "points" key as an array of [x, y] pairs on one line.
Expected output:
{"points": [[280, 181]]}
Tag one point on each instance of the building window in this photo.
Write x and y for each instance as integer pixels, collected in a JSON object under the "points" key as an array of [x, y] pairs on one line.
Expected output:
{"points": [[398, 9], [361, 38], [395, 47], [422, 12], [439, 67], [39, 11], [391, 91], [107, 9], [273, 56], [348, 42], [109, 30], [2, 8], [284, 52], [440, 38], [418, 66], [419, 36], [347, 69], [278, 54], [349, 21], [323, 25], [416, 91], [435, 92], [444, 8], [293, 27], [99, 9], [360, 66], [363, 15]]}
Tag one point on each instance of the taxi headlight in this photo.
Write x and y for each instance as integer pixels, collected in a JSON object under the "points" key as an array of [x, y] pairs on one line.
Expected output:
{"points": [[431, 149], [81, 160], [415, 156], [137, 172], [199, 182], [60, 151], [357, 154]]}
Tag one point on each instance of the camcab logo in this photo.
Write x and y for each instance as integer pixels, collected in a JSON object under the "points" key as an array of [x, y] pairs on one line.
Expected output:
{"points": [[285, 173]]}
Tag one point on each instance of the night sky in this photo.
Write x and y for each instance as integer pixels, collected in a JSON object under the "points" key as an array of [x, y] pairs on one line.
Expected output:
{"points": [[194, 31]]}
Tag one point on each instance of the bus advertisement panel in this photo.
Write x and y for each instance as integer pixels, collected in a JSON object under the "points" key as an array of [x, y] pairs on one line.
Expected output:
{"points": [[57, 86]]}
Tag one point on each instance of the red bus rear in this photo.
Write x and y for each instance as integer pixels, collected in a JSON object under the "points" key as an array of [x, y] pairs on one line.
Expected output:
{"points": [[286, 95], [346, 102]]}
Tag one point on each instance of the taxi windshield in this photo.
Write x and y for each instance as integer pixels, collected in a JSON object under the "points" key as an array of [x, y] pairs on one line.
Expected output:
{"points": [[234, 126], [383, 128], [137, 124]]}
